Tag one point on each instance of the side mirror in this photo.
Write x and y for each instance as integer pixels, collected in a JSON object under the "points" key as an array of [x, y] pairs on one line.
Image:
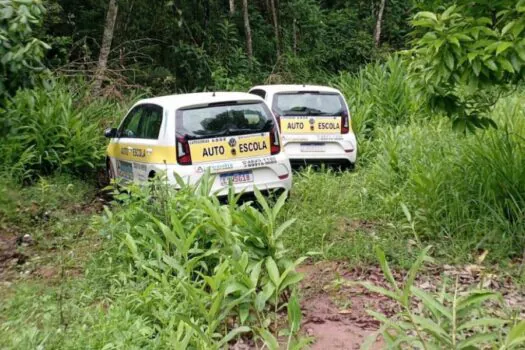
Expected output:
{"points": [[110, 133]]}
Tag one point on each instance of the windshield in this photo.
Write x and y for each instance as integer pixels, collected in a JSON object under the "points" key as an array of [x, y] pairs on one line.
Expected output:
{"points": [[224, 120], [308, 104]]}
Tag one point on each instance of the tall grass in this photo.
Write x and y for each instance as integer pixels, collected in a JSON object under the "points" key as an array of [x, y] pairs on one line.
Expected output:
{"points": [[418, 181]]}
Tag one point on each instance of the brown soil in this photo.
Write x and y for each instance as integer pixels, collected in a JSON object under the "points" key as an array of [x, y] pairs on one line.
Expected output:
{"points": [[336, 317], [335, 305]]}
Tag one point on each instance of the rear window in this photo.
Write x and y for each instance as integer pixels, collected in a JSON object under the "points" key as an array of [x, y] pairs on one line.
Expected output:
{"points": [[308, 103], [224, 120]]}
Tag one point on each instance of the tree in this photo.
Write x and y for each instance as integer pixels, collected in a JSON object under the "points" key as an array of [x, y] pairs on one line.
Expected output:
{"points": [[379, 23], [275, 28], [21, 51], [105, 48], [247, 29], [466, 57], [232, 7]]}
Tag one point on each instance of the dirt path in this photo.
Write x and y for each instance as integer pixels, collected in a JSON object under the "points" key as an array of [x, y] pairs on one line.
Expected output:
{"points": [[335, 308]]}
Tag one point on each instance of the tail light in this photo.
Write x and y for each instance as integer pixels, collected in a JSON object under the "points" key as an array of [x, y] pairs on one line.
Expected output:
{"points": [[183, 151], [277, 119], [345, 123], [275, 144]]}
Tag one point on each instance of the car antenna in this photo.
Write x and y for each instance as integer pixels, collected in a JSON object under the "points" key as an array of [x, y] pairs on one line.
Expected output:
{"points": [[213, 95]]}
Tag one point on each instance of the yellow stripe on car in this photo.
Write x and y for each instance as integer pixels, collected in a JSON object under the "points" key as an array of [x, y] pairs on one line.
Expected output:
{"points": [[143, 153]]}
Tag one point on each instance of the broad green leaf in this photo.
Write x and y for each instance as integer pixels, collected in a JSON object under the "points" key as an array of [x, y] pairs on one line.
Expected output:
{"points": [[449, 60], [476, 298], [255, 273], [413, 273], [431, 303], [273, 271], [426, 14], [433, 328], [244, 312], [269, 340], [478, 339], [507, 27], [386, 269], [280, 230], [294, 314], [502, 47], [291, 280], [380, 290], [279, 204], [490, 64], [232, 334], [516, 333]]}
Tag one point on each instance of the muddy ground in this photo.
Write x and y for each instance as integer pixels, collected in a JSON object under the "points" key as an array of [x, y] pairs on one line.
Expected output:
{"points": [[334, 304]]}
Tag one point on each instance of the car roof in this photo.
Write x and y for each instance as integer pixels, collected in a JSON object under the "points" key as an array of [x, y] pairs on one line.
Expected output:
{"points": [[197, 99], [293, 88]]}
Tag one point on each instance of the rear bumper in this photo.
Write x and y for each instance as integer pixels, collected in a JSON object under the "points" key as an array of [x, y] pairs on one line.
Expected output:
{"points": [[271, 177], [342, 151]]}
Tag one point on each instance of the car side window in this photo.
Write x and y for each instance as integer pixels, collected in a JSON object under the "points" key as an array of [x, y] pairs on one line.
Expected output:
{"points": [[260, 93], [151, 122], [130, 126]]}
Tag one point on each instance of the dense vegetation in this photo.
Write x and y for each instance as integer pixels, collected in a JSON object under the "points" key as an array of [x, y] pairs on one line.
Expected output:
{"points": [[438, 104]]}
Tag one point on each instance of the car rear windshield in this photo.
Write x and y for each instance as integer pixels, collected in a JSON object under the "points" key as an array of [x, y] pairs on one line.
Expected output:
{"points": [[224, 120], [308, 103]]}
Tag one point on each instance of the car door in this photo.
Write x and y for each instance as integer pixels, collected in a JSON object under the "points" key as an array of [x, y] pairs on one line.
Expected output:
{"points": [[137, 136]]}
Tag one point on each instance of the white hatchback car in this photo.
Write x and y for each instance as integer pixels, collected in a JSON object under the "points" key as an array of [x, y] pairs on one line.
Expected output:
{"points": [[314, 121], [233, 135]]}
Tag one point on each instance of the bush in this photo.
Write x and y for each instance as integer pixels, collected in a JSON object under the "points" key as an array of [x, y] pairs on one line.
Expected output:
{"points": [[209, 272], [379, 94], [49, 129]]}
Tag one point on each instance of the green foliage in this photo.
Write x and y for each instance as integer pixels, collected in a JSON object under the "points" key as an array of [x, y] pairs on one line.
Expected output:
{"points": [[203, 265], [378, 94], [21, 51], [465, 56], [49, 129], [451, 320], [462, 193]]}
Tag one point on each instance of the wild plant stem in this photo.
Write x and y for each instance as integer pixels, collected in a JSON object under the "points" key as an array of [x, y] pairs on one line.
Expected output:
{"points": [[454, 301]]}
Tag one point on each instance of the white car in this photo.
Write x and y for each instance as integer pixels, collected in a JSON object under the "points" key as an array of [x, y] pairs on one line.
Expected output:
{"points": [[315, 123], [233, 135]]}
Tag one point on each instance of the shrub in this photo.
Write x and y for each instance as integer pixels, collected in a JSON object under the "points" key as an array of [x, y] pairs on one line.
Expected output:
{"points": [[208, 272], [450, 320], [49, 129], [379, 94]]}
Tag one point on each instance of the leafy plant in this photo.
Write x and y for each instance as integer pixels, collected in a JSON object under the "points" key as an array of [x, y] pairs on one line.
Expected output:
{"points": [[205, 265], [452, 320], [21, 51], [465, 57]]}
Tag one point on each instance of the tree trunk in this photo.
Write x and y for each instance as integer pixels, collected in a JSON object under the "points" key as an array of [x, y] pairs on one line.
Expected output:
{"points": [[232, 7], [276, 28], [105, 48], [247, 29], [379, 23]]}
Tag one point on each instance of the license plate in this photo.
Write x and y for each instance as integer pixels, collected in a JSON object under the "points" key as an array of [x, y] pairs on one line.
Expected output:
{"points": [[236, 178], [125, 170], [313, 147]]}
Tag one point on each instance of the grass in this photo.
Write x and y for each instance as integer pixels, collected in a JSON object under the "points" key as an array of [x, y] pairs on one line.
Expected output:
{"points": [[421, 183], [417, 183]]}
